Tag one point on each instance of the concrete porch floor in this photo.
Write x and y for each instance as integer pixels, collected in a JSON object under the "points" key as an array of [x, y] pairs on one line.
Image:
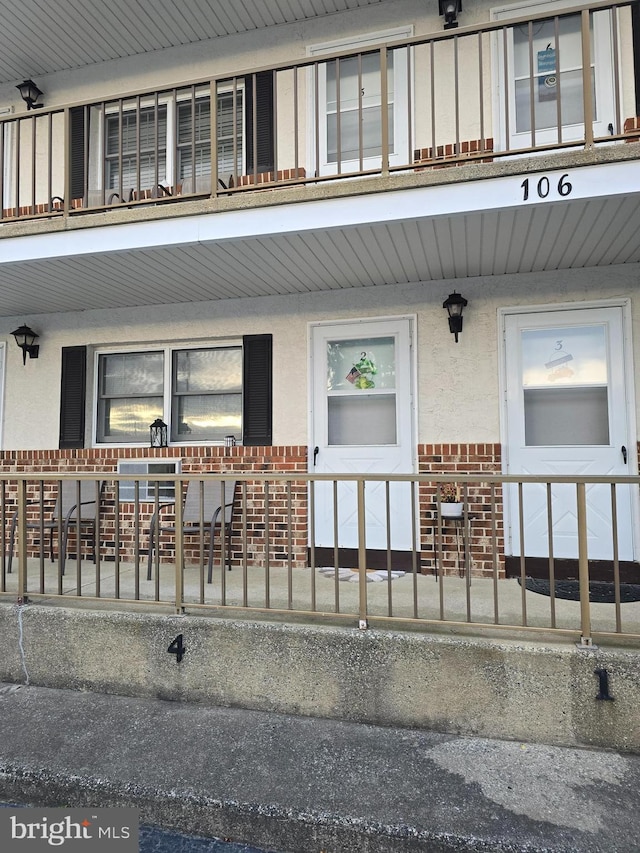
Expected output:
{"points": [[255, 589]]}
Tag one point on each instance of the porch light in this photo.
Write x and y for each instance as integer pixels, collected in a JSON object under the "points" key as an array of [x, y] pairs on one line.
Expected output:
{"points": [[30, 94], [25, 338], [450, 9], [454, 303], [158, 433]]}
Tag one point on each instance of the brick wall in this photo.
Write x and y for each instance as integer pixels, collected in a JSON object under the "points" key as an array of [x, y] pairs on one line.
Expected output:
{"points": [[277, 506], [483, 504]]}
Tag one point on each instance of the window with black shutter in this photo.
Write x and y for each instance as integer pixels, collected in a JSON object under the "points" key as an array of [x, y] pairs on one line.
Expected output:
{"points": [[73, 397], [202, 393]]}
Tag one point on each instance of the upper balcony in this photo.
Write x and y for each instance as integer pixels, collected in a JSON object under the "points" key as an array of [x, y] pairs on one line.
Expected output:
{"points": [[522, 103]]}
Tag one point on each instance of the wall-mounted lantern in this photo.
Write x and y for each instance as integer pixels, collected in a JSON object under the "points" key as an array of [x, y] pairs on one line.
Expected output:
{"points": [[455, 304], [25, 338], [30, 94], [450, 9], [158, 431]]}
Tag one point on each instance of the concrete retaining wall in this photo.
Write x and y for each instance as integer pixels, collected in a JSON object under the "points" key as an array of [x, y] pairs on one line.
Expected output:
{"points": [[526, 691]]}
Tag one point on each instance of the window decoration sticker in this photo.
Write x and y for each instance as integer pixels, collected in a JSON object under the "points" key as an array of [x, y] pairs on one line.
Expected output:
{"points": [[361, 372], [547, 75], [558, 363]]}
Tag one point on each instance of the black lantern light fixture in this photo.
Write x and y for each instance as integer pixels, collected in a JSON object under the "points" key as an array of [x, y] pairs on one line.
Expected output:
{"points": [[450, 9], [30, 94], [455, 304], [25, 338], [158, 431]]}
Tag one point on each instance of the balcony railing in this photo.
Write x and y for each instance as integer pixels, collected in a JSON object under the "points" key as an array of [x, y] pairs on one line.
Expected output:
{"points": [[270, 560], [474, 94]]}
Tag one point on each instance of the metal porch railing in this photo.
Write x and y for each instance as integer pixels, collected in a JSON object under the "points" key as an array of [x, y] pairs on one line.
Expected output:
{"points": [[471, 569], [436, 100]]}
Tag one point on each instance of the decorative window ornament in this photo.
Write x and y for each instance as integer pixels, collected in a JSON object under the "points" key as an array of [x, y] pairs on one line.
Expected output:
{"points": [[361, 372]]}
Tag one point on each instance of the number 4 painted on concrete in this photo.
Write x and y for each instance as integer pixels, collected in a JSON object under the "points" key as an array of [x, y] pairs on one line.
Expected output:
{"points": [[176, 647]]}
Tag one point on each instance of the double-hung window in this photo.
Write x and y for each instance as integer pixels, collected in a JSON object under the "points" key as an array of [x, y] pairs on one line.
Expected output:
{"points": [[143, 148], [196, 391], [194, 136], [136, 148]]}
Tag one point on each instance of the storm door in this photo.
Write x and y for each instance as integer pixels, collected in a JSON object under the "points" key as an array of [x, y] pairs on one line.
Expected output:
{"points": [[541, 99], [362, 423], [567, 414]]}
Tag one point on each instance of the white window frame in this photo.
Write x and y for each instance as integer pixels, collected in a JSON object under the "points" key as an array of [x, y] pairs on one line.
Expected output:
{"points": [[171, 154], [401, 105], [167, 396]]}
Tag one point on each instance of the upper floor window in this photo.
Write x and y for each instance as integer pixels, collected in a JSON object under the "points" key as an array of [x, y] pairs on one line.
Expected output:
{"points": [[194, 135], [136, 148], [197, 392]]}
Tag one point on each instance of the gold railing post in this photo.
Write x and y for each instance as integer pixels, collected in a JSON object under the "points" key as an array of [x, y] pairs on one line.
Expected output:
{"points": [[587, 94], [583, 567], [384, 109], [362, 557], [22, 541], [179, 579]]}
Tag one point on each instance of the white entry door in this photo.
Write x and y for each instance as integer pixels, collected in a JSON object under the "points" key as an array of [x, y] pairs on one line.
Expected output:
{"points": [[362, 423], [567, 413], [541, 101]]}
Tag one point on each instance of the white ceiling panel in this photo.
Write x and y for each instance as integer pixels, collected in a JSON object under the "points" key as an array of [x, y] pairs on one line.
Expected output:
{"points": [[39, 37]]}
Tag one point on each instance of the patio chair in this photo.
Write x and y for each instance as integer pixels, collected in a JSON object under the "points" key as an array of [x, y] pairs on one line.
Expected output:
{"points": [[206, 500], [61, 514]]}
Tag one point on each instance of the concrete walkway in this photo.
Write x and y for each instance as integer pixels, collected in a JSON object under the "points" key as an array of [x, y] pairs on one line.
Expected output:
{"points": [[405, 596], [303, 785]]}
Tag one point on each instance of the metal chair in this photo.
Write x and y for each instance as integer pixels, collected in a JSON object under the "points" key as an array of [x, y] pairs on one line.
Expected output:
{"points": [[203, 512], [63, 516]]}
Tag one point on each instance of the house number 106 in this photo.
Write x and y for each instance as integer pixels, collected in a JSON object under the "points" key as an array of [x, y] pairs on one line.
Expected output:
{"points": [[543, 187]]}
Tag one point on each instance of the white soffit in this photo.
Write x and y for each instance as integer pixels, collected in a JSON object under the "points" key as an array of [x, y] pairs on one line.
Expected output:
{"points": [[39, 37]]}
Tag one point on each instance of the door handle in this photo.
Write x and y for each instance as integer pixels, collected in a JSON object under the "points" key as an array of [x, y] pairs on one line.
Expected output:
{"points": [[316, 450], [624, 454]]}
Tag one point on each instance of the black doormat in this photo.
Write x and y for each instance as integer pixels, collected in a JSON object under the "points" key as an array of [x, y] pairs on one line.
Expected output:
{"points": [[600, 592]]}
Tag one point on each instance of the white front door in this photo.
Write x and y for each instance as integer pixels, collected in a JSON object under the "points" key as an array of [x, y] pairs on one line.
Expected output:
{"points": [[541, 101], [362, 423], [567, 413]]}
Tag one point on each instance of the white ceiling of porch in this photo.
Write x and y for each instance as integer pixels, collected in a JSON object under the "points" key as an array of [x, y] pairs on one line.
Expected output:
{"points": [[583, 233], [39, 37]]}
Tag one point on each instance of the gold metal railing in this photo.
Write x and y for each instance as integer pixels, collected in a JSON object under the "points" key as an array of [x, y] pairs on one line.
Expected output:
{"points": [[452, 572], [411, 104]]}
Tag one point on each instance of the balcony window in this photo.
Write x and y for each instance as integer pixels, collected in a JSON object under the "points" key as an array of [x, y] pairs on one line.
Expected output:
{"points": [[136, 148], [200, 397], [194, 136]]}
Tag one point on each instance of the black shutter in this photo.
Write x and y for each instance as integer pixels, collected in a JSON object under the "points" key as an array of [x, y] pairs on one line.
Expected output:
{"points": [[263, 97], [72, 397], [257, 376], [635, 36], [77, 153]]}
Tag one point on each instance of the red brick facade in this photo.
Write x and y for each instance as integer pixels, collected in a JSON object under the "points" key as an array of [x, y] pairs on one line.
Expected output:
{"points": [[483, 503], [282, 506]]}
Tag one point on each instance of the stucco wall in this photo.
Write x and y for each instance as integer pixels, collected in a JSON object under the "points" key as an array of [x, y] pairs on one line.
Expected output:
{"points": [[458, 384]]}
